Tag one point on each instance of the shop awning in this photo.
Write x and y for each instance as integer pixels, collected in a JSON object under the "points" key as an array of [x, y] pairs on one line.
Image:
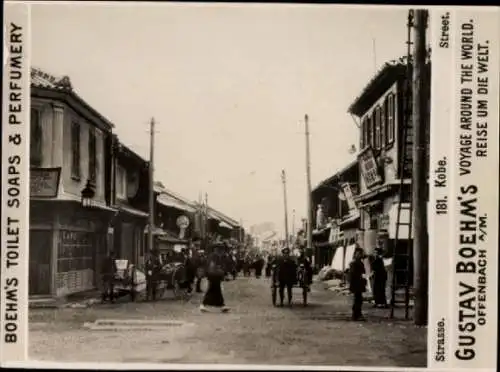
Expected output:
{"points": [[156, 230], [338, 259], [169, 201], [349, 219], [132, 211], [375, 192], [225, 225], [63, 197]]}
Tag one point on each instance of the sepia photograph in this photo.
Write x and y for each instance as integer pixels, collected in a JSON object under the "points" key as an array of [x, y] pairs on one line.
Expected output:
{"points": [[230, 184]]}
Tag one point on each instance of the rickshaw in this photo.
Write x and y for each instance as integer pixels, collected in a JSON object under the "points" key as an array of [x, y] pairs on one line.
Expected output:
{"points": [[173, 276], [300, 282], [128, 280]]}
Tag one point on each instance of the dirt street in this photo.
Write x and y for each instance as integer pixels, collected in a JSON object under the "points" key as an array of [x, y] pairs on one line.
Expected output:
{"points": [[253, 332]]}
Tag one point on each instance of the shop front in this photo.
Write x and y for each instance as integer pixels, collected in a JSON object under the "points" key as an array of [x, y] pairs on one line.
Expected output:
{"points": [[67, 243], [128, 232]]}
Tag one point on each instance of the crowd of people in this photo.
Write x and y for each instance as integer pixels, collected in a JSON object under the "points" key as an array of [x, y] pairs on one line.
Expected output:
{"points": [[221, 263]]}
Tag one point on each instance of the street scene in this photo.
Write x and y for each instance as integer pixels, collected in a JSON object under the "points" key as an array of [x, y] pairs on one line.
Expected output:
{"points": [[254, 332], [206, 191]]}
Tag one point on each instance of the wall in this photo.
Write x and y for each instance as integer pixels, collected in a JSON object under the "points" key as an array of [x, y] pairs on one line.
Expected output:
{"points": [[75, 186], [390, 170]]}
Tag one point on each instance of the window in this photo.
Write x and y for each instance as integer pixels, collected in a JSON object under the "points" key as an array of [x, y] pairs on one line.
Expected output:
{"points": [[92, 156], [369, 131], [121, 182], [75, 150], [390, 119], [383, 126], [362, 139], [377, 124], [35, 138]]}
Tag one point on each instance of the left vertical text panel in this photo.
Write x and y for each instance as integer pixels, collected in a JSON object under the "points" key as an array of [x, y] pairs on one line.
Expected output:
{"points": [[15, 183]]}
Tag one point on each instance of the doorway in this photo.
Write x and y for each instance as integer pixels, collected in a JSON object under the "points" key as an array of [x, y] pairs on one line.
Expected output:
{"points": [[40, 255]]}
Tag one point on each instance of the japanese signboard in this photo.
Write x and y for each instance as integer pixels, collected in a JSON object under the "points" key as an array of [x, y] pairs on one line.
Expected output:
{"points": [[369, 168], [44, 182], [346, 188]]}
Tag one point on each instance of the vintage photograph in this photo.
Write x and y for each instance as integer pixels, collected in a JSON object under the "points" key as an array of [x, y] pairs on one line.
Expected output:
{"points": [[241, 184]]}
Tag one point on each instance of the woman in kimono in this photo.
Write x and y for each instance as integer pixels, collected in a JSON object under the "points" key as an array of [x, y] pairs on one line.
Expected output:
{"points": [[215, 275]]}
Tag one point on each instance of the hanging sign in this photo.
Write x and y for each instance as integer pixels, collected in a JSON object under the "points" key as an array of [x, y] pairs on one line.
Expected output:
{"points": [[44, 182], [349, 197], [182, 224], [369, 168]]}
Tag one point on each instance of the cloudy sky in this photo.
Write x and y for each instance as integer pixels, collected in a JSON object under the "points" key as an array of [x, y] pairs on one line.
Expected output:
{"points": [[228, 86]]}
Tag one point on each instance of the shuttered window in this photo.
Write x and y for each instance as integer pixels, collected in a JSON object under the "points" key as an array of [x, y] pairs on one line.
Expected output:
{"points": [[75, 150], [377, 124], [390, 114], [35, 138], [92, 156]]}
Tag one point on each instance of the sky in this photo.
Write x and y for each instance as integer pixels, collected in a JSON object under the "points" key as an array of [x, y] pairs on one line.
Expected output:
{"points": [[228, 86]]}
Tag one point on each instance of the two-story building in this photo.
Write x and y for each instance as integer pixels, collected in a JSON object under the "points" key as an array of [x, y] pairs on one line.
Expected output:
{"points": [[70, 151], [337, 215], [380, 109], [131, 199], [174, 215]]}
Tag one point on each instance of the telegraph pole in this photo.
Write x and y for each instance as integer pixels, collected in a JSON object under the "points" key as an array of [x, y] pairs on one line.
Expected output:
{"points": [[309, 201], [151, 188], [283, 179], [419, 168], [206, 218]]}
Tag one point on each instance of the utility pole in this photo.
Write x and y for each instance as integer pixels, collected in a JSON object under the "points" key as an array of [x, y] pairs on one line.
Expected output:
{"points": [[293, 222], [309, 201], [283, 179], [151, 188], [206, 218], [419, 170]]}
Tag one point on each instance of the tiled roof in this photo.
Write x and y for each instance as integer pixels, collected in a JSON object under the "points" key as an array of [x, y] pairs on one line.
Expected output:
{"points": [[43, 80], [389, 71], [337, 174]]}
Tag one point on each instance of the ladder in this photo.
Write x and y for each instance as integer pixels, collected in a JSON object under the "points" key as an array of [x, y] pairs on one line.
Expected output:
{"points": [[402, 260]]}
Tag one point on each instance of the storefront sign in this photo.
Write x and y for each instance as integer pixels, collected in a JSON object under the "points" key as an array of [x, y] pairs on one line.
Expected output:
{"points": [[383, 222], [44, 182], [346, 188], [182, 222], [369, 168]]}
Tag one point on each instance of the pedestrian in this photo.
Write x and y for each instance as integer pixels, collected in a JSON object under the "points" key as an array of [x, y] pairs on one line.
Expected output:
{"points": [[357, 283], [190, 270], [379, 279], [269, 265], [215, 275], [153, 267], [287, 276], [304, 260], [201, 265], [259, 264], [109, 271]]}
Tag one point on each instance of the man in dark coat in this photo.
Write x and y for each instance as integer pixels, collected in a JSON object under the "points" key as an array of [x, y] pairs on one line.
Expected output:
{"points": [[379, 279], [201, 268], [108, 271], [190, 270], [303, 260], [357, 283], [287, 275], [153, 267]]}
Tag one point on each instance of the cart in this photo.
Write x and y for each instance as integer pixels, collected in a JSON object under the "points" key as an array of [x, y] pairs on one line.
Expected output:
{"points": [[128, 280], [301, 282]]}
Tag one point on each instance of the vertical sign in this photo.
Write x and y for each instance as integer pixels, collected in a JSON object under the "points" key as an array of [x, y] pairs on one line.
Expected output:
{"points": [[15, 184], [474, 183]]}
